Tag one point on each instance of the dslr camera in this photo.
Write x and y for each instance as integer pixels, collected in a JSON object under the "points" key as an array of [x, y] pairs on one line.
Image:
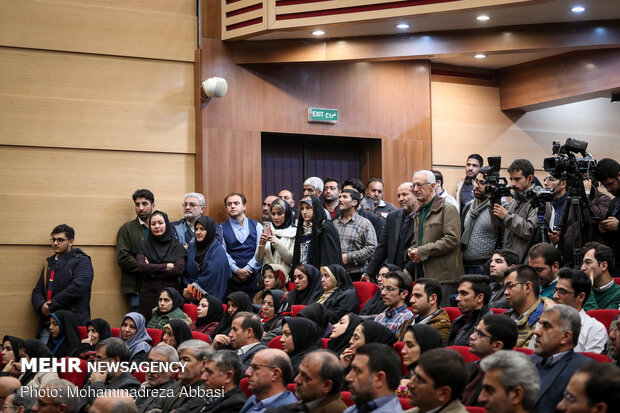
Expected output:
{"points": [[497, 186]]}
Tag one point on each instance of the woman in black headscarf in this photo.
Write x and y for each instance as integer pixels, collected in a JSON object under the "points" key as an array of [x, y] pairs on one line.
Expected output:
{"points": [[341, 335], [367, 331], [35, 349], [418, 339], [209, 314], [97, 330], [273, 277], [339, 295], [317, 241], [168, 308], [207, 270], [319, 314], [276, 243], [275, 308], [10, 355], [308, 288], [375, 305], [176, 332], [161, 261], [235, 302], [299, 337], [64, 336]]}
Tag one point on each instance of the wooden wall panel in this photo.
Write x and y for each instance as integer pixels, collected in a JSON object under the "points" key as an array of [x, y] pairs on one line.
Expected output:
{"points": [[40, 24], [467, 119], [184, 7]]}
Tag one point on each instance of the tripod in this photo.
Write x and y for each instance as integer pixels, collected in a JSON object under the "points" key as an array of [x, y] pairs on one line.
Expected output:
{"points": [[579, 219], [541, 228]]}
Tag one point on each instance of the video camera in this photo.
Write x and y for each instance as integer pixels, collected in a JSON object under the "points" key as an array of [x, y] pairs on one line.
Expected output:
{"points": [[565, 165], [497, 186], [538, 197]]}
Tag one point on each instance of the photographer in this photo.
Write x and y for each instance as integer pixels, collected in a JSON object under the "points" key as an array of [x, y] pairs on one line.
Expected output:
{"points": [[607, 172], [520, 218]]}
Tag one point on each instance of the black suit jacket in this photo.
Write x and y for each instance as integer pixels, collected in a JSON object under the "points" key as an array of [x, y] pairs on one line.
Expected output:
{"points": [[246, 359], [387, 245], [554, 382], [232, 402]]}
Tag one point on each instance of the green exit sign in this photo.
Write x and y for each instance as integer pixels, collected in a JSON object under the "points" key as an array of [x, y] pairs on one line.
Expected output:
{"points": [[322, 115]]}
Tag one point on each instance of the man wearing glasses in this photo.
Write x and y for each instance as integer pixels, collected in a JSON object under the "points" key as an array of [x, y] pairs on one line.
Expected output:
{"points": [[521, 289], [19, 400], [65, 281], [57, 396], [193, 207], [595, 387], [394, 293]]}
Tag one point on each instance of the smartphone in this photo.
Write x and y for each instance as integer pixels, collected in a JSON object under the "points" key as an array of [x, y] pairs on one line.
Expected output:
{"points": [[266, 227], [597, 219]]}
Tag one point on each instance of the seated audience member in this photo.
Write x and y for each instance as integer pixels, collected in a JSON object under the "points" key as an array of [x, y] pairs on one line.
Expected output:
{"points": [[268, 375], [501, 261], [169, 308], [319, 314], [274, 278], [209, 313], [7, 385], [341, 335], [373, 379], [308, 287], [21, 400], [614, 340], [207, 270], [339, 295], [184, 391], [241, 236], [521, 290], [492, 334], [375, 305], [437, 382], [97, 329], [276, 243], [598, 260], [510, 383], [318, 385], [316, 241], [425, 305], [557, 334], [244, 337], [157, 380], [366, 332], [473, 301], [395, 292], [573, 288], [133, 333], [10, 354], [114, 403], [64, 336], [34, 349], [595, 387], [222, 371], [161, 261], [299, 337], [111, 350], [547, 261], [235, 302], [175, 333], [418, 339], [58, 394], [275, 308]]}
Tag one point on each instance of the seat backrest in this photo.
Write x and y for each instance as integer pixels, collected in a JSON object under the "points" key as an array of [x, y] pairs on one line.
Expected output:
{"points": [[244, 386], [467, 355], [290, 286], [398, 347], [365, 291], [405, 403], [524, 350], [475, 409], [617, 280], [116, 331], [498, 310], [324, 342], [201, 336], [346, 398], [156, 335], [291, 387], [601, 358], [295, 309], [76, 377], [453, 313], [275, 343], [604, 316], [83, 332], [191, 310], [140, 375]]}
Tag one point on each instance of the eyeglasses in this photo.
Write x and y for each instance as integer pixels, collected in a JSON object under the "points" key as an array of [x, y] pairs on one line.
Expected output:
{"points": [[562, 291], [481, 333], [45, 404], [480, 181], [189, 204], [510, 286], [255, 366], [58, 240], [390, 289], [420, 185], [6, 406], [570, 398]]}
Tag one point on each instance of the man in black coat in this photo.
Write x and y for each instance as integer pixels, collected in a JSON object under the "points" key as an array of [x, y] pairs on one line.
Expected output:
{"points": [[65, 281], [396, 235], [222, 371], [607, 172], [157, 382]]}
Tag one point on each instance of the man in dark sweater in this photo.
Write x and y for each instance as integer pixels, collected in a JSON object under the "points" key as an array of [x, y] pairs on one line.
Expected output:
{"points": [[222, 371], [472, 299]]}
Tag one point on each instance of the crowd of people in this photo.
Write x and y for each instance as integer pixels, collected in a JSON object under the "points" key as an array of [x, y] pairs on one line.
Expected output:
{"points": [[343, 294]]}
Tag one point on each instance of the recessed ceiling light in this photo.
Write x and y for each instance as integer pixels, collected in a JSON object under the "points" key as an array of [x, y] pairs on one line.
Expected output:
{"points": [[402, 26], [578, 9], [482, 18], [318, 33], [480, 56]]}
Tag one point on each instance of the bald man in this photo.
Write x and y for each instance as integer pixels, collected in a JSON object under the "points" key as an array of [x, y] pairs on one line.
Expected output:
{"points": [[7, 385], [114, 404]]}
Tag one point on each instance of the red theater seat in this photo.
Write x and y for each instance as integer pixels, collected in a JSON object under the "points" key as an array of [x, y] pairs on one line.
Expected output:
{"points": [[291, 387], [398, 347], [295, 309], [191, 310], [346, 398], [324, 342], [275, 343], [201, 336], [156, 335], [464, 351], [475, 409], [498, 310], [83, 332], [365, 290], [524, 350], [116, 331], [453, 313], [290, 286], [75, 377], [405, 403], [604, 316], [601, 358], [244, 386], [617, 280], [140, 375]]}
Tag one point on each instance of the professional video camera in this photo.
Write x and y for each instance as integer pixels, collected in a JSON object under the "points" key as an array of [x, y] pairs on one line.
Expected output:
{"points": [[538, 197], [566, 165], [497, 186]]}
